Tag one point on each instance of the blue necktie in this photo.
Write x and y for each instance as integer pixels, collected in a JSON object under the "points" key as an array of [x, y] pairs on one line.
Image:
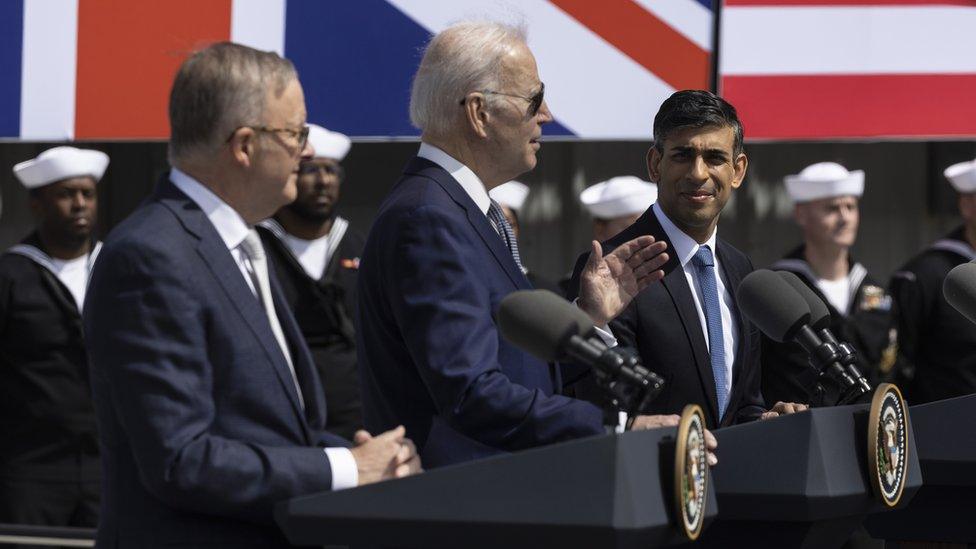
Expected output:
{"points": [[704, 263], [497, 216]]}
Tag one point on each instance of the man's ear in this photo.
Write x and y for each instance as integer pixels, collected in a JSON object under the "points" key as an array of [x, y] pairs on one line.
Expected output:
{"points": [[242, 146], [740, 164], [654, 164], [476, 113]]}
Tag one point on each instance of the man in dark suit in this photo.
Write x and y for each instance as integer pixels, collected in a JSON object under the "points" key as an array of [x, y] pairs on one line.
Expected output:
{"points": [[207, 401], [441, 256], [688, 329]]}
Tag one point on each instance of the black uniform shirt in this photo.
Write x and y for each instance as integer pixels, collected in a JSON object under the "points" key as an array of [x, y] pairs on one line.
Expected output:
{"points": [[937, 342]]}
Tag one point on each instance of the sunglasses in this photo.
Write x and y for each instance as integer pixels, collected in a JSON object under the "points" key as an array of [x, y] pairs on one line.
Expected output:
{"points": [[535, 101]]}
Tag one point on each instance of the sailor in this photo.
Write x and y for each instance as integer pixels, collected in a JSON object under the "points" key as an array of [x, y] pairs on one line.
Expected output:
{"points": [[49, 466], [511, 197], [937, 343], [316, 253]]}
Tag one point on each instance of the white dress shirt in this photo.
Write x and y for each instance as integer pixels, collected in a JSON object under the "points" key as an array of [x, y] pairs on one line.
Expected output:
{"points": [[683, 247], [232, 230]]}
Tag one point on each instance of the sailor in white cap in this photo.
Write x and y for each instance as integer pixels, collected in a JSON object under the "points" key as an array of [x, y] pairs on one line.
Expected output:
{"points": [[616, 203], [511, 197], [826, 197], [936, 343], [316, 257], [49, 466]]}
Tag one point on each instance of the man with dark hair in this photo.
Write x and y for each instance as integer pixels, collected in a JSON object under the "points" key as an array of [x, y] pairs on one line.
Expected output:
{"points": [[209, 407], [688, 328], [316, 253], [49, 468]]}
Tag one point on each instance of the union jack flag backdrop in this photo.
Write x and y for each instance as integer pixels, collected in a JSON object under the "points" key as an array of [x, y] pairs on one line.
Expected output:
{"points": [[101, 69]]}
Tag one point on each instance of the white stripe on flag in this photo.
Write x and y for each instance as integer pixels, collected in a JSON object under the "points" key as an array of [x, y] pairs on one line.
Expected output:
{"points": [[691, 19], [848, 40], [592, 88], [50, 59], [259, 24]]}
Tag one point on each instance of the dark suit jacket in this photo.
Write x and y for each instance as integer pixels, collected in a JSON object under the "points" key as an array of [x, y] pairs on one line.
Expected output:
{"points": [[662, 324], [200, 425], [432, 276]]}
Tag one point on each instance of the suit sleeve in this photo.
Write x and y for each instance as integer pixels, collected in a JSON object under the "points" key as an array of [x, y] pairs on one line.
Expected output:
{"points": [[147, 329], [442, 306]]}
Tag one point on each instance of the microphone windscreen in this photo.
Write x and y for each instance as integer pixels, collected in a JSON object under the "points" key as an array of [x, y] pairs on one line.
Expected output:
{"points": [[959, 289], [819, 313], [540, 322], [772, 305]]}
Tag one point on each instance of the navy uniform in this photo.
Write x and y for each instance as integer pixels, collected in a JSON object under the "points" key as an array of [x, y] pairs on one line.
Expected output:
{"points": [[49, 457]]}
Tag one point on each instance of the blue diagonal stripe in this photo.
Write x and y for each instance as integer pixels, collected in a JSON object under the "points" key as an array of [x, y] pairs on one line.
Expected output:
{"points": [[11, 55]]}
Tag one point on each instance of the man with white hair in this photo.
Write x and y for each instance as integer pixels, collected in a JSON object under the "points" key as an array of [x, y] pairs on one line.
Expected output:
{"points": [[937, 342], [49, 467], [441, 256], [827, 197], [315, 253]]}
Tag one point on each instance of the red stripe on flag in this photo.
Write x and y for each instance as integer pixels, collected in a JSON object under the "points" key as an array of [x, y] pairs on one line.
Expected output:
{"points": [[128, 53], [835, 3], [818, 107], [645, 39]]}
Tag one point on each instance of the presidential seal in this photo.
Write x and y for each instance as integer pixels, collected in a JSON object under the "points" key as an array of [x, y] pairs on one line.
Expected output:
{"points": [[888, 443], [691, 471]]}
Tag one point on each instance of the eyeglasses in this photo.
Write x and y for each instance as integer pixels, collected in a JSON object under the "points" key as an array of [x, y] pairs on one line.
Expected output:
{"points": [[300, 135], [313, 168], [535, 101]]}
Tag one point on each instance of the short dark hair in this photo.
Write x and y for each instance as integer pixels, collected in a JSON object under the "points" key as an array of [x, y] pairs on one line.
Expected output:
{"points": [[219, 89], [695, 109]]}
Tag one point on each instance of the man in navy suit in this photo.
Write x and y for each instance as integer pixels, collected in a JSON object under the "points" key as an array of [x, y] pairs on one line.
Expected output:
{"points": [[688, 329], [209, 407], [440, 258]]}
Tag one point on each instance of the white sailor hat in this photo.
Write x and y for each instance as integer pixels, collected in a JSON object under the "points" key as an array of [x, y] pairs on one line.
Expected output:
{"points": [[824, 180], [327, 143], [61, 163], [962, 176], [618, 196], [511, 194]]}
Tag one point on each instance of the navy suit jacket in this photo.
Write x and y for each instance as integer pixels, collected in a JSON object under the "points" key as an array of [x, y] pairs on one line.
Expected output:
{"points": [[200, 425], [662, 324], [432, 275]]}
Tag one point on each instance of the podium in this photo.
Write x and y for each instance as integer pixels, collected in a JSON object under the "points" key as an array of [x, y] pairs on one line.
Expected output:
{"points": [[945, 508], [606, 491], [797, 481]]}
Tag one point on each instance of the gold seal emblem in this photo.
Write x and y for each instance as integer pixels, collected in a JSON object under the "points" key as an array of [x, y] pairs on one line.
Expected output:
{"points": [[888, 443], [691, 471]]}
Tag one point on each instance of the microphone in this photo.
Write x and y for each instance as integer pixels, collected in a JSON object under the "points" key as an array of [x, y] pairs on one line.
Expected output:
{"points": [[551, 329], [783, 315], [820, 322], [959, 290]]}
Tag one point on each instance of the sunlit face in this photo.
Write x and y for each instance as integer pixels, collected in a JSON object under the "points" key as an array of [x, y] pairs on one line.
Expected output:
{"points": [[279, 154], [829, 221], [319, 182], [513, 131], [695, 174], [67, 209]]}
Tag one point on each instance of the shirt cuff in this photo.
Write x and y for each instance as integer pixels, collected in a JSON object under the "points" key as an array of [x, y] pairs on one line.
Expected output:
{"points": [[603, 331], [345, 474]]}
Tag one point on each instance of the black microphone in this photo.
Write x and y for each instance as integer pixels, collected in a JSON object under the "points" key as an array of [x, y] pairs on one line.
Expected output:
{"points": [[783, 315], [959, 290], [551, 329], [820, 322]]}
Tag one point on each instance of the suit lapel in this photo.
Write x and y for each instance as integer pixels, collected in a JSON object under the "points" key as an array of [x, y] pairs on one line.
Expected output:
{"points": [[676, 284], [477, 218], [732, 278], [228, 276]]}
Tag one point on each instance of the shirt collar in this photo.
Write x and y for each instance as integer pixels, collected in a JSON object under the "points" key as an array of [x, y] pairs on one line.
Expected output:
{"points": [[470, 182], [683, 246], [229, 224]]}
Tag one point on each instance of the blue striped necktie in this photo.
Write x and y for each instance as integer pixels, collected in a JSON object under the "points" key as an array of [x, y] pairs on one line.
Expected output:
{"points": [[504, 230], [705, 266]]}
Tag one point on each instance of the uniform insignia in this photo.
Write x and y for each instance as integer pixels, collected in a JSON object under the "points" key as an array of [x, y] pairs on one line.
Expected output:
{"points": [[691, 471], [888, 443], [351, 263], [874, 298]]}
